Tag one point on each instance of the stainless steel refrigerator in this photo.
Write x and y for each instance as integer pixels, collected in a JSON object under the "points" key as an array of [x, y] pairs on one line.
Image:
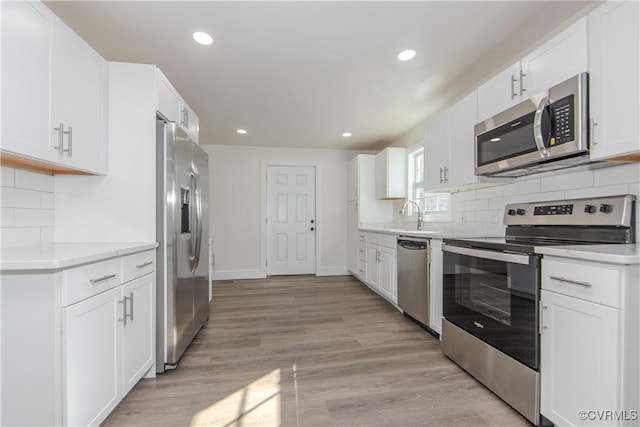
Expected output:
{"points": [[182, 305]]}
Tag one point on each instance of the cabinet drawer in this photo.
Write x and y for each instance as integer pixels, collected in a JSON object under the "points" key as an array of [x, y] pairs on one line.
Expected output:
{"points": [[362, 250], [91, 279], [595, 282], [137, 265], [362, 269], [388, 240]]}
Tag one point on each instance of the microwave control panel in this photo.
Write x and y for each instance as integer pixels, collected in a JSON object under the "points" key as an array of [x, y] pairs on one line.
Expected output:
{"points": [[562, 121]]}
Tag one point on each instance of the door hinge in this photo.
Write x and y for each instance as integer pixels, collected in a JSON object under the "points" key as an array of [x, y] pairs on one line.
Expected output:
{"points": [[266, 220]]}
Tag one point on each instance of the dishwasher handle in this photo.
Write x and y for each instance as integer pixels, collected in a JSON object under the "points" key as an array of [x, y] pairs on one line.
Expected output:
{"points": [[413, 245]]}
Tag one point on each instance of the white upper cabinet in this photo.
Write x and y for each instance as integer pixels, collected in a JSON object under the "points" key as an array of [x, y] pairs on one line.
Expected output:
{"points": [[189, 121], [391, 173], [462, 160], [26, 82], [54, 100], [500, 93], [175, 109], [78, 102], [168, 99], [614, 80], [449, 147], [560, 58], [436, 150]]}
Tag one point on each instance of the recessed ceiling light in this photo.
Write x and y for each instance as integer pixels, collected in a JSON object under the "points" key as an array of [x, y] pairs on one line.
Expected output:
{"points": [[406, 55], [202, 38], [346, 134], [241, 131]]}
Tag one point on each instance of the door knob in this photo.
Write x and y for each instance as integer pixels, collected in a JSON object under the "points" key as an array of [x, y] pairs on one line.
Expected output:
{"points": [[312, 221], [312, 228]]}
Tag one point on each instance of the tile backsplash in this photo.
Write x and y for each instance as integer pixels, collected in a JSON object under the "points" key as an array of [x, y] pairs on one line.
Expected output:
{"points": [[480, 211], [26, 208]]}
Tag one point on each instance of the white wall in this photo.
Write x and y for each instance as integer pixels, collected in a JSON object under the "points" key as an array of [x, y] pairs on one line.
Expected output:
{"points": [[235, 207], [26, 208]]}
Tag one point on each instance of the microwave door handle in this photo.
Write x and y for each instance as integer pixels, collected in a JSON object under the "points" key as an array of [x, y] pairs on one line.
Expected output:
{"points": [[537, 128]]}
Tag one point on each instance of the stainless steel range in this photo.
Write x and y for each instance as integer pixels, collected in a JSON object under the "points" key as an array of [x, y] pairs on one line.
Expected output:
{"points": [[491, 289]]}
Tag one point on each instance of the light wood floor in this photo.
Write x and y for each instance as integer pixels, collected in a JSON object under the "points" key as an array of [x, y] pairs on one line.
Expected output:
{"points": [[308, 351]]}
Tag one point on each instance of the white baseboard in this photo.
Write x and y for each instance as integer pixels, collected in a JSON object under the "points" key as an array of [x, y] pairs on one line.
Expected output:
{"points": [[332, 271], [238, 275]]}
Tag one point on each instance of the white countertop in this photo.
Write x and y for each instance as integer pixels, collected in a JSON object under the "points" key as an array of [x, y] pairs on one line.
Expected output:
{"points": [[614, 254], [64, 255]]}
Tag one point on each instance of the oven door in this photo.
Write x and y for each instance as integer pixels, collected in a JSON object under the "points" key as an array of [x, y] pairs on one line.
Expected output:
{"points": [[494, 296]]}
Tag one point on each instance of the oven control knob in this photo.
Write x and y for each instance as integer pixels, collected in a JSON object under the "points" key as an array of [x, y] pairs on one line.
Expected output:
{"points": [[521, 212], [606, 208], [511, 212], [590, 209]]}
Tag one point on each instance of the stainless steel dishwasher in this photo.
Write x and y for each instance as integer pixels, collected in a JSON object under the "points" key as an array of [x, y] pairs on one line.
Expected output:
{"points": [[413, 278]]}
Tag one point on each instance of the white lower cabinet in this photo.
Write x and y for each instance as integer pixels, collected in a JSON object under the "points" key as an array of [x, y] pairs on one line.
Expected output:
{"points": [[382, 265], [138, 333], [80, 337], [91, 358], [589, 343]]}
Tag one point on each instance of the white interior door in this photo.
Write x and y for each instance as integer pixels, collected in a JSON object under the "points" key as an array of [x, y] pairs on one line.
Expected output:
{"points": [[291, 220]]}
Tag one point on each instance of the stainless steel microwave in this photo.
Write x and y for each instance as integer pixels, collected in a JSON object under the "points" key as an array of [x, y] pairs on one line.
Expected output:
{"points": [[546, 132]]}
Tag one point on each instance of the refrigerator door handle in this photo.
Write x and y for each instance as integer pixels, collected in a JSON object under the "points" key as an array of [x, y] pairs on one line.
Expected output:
{"points": [[199, 219], [193, 220]]}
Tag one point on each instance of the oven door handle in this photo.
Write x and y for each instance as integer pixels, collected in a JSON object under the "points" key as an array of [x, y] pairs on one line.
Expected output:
{"points": [[493, 255]]}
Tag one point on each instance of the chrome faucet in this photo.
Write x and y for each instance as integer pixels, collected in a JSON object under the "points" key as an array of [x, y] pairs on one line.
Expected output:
{"points": [[420, 220]]}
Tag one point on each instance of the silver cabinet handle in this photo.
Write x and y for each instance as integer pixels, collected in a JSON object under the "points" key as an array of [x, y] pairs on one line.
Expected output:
{"points": [[593, 132], [143, 265], [102, 279], [69, 133], [513, 87], [60, 147], [573, 282], [522, 88], [124, 311], [130, 306]]}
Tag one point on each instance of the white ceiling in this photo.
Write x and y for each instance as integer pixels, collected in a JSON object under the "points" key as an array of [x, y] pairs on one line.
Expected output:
{"points": [[298, 74]]}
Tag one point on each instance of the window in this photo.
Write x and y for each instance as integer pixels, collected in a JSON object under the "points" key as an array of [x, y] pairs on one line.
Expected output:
{"points": [[434, 205], [416, 177]]}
